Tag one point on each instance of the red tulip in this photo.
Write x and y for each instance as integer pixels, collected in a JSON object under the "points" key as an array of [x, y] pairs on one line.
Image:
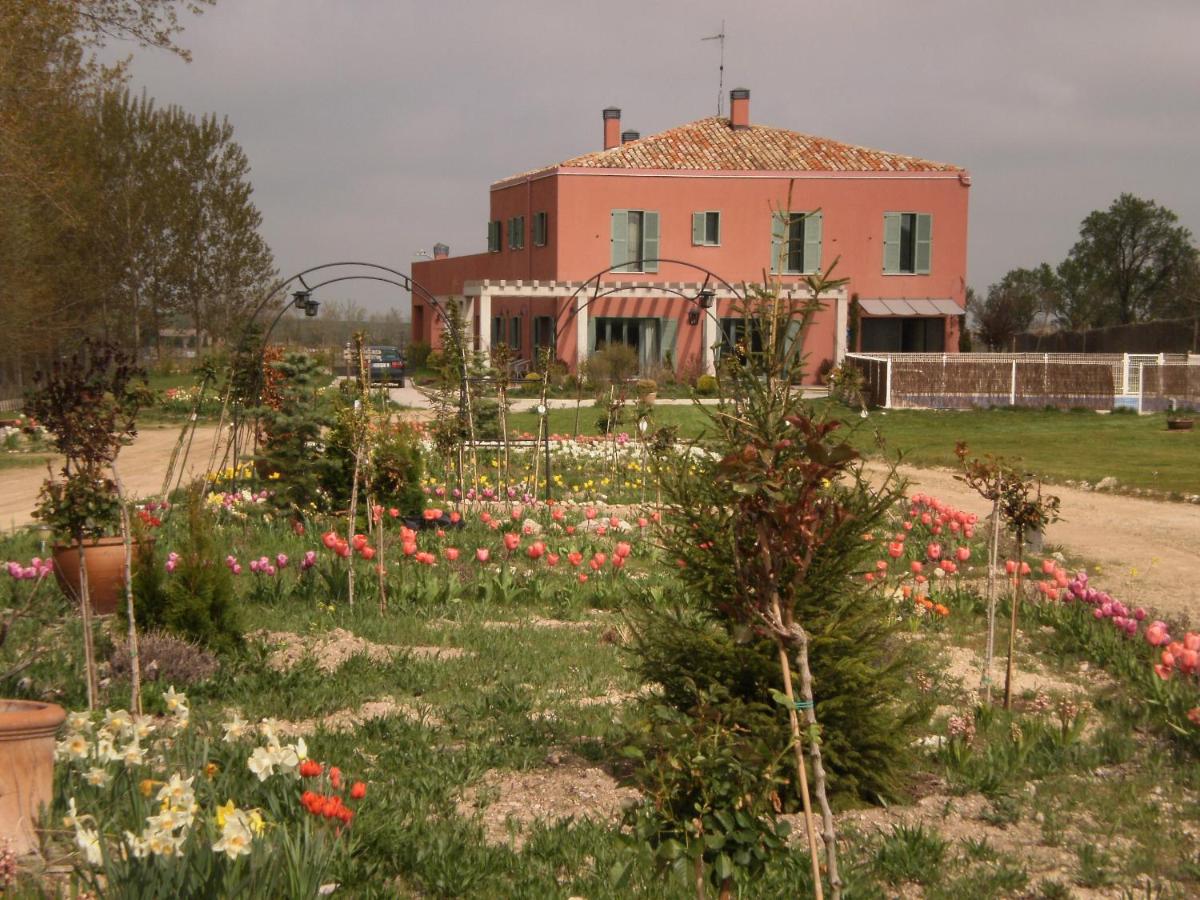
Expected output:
{"points": [[511, 541], [451, 553], [358, 790]]}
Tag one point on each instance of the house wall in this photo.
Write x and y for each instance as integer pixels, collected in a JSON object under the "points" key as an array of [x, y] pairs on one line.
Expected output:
{"points": [[852, 206], [580, 203]]}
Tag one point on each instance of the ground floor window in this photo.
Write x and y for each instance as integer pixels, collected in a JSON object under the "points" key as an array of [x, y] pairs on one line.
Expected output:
{"points": [[641, 335], [543, 333], [740, 336], [903, 334]]}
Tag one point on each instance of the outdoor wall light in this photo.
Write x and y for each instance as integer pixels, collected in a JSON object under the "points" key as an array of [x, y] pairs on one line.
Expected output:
{"points": [[693, 317]]}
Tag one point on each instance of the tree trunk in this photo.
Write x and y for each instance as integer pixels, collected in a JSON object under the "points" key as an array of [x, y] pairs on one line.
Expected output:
{"points": [[1009, 673], [135, 668], [993, 556], [89, 647], [828, 835]]}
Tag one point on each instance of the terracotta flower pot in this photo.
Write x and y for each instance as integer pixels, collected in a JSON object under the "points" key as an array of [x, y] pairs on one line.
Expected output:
{"points": [[27, 730], [105, 559], [1180, 424]]}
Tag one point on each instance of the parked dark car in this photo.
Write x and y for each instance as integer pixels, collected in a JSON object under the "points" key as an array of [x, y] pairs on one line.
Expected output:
{"points": [[385, 365]]}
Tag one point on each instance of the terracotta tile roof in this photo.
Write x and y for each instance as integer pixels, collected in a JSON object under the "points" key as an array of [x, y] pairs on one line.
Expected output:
{"points": [[710, 144]]}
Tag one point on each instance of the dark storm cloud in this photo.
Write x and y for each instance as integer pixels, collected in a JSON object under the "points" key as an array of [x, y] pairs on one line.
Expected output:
{"points": [[374, 128]]}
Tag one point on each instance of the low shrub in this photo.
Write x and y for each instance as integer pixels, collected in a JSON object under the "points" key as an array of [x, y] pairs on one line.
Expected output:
{"points": [[417, 355], [191, 592], [706, 385], [167, 658]]}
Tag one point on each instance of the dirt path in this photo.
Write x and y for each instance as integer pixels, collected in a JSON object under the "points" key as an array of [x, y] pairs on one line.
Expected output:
{"points": [[1144, 552], [142, 465]]}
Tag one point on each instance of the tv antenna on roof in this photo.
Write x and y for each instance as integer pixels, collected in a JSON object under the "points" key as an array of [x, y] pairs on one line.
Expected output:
{"points": [[720, 36]]}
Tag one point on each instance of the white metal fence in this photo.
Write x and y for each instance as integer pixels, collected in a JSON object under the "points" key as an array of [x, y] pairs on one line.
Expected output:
{"points": [[1148, 382]]}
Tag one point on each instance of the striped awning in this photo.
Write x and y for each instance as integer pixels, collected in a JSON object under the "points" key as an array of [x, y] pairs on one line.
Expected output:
{"points": [[878, 306]]}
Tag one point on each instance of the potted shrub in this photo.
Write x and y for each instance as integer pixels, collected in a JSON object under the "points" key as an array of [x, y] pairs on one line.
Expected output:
{"points": [[89, 403], [27, 727], [647, 390]]}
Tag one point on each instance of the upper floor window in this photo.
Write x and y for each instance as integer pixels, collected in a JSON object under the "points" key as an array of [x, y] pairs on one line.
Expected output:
{"points": [[516, 233], [494, 236], [706, 229], [634, 240], [540, 229], [796, 242], [514, 328], [907, 243]]}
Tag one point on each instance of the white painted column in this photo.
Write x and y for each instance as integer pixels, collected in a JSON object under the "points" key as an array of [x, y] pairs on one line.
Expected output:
{"points": [[841, 324], [581, 328], [485, 322], [708, 337]]}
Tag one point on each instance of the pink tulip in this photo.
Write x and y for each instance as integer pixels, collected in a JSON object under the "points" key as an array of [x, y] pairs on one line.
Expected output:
{"points": [[482, 554], [962, 554], [451, 553]]}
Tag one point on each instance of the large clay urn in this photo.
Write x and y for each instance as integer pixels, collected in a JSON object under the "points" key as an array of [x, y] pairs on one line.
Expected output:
{"points": [[27, 732], [105, 559]]}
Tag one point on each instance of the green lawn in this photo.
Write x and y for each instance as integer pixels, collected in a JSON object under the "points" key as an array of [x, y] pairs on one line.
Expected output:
{"points": [[1136, 450]]}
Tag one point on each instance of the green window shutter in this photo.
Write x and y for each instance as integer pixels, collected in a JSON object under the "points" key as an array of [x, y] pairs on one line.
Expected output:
{"points": [[520, 232], [620, 229], [650, 241], [891, 242], [669, 329], [779, 226], [924, 243], [591, 337], [813, 227], [697, 229], [791, 348]]}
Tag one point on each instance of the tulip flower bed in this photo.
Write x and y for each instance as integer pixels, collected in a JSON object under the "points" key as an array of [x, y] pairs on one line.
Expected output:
{"points": [[490, 654]]}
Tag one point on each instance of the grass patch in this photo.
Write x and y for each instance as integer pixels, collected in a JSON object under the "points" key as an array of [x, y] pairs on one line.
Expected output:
{"points": [[1136, 450]]}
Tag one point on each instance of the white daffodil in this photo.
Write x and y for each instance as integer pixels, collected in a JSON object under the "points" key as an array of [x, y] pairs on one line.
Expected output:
{"points": [[133, 754], [262, 763], [236, 836], [117, 721], [177, 792], [236, 728], [106, 751], [98, 777], [163, 843], [138, 846], [79, 721], [88, 840], [268, 729], [143, 727], [175, 700], [73, 746], [72, 818]]}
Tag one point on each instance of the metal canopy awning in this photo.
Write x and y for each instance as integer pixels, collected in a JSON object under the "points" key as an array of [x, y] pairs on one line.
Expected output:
{"points": [[878, 306]]}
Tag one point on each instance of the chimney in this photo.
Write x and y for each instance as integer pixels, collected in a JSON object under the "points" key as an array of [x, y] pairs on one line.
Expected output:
{"points": [[612, 127], [739, 108], [441, 251], [627, 136]]}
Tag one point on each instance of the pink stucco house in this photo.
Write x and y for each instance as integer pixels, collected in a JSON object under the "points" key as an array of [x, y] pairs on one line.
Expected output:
{"points": [[713, 193]]}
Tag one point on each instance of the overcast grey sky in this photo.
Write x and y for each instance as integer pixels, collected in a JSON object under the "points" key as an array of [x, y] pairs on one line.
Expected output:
{"points": [[374, 128]]}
